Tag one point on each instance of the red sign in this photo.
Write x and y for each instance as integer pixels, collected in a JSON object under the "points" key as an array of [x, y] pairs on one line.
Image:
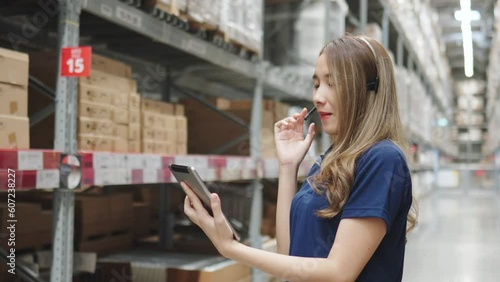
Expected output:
{"points": [[75, 61]]}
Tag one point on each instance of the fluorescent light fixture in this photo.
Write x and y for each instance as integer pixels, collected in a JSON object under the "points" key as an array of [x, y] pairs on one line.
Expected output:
{"points": [[472, 16], [467, 37], [442, 122]]}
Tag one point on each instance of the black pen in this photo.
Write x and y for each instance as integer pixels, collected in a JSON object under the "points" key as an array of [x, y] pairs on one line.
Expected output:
{"points": [[310, 112]]}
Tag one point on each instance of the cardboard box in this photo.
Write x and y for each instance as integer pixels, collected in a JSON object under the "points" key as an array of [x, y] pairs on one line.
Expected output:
{"points": [[134, 146], [134, 117], [181, 149], [148, 133], [120, 115], [134, 132], [111, 66], [159, 107], [121, 211], [179, 109], [181, 123], [182, 136], [14, 67], [14, 132], [159, 135], [118, 84], [90, 142], [120, 145], [142, 219], [95, 110], [121, 100], [96, 94], [223, 271], [122, 131], [90, 209], [153, 147], [220, 103], [97, 127], [134, 102], [148, 147], [160, 121], [164, 148], [14, 100]]}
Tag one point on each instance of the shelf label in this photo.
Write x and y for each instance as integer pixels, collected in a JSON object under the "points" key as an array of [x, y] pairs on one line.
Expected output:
{"points": [[47, 179], [29, 160], [129, 17], [76, 61]]}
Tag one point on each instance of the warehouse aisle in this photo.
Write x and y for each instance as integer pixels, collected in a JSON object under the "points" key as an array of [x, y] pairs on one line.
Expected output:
{"points": [[458, 240]]}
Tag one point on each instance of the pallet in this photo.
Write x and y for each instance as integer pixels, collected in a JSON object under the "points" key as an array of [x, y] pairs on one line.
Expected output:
{"points": [[241, 49], [177, 19]]}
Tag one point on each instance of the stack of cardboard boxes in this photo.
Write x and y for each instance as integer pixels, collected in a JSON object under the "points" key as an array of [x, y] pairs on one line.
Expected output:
{"points": [[134, 125], [164, 128], [103, 223], [208, 130], [14, 122], [108, 105], [33, 228]]}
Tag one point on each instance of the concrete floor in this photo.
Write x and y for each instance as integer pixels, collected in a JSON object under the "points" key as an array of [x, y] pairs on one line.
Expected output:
{"points": [[457, 240]]}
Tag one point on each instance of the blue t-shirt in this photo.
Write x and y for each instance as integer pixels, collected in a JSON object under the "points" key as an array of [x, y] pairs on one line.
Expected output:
{"points": [[381, 189]]}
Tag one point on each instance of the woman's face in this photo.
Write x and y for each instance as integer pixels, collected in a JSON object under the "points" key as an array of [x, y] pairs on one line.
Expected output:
{"points": [[324, 96]]}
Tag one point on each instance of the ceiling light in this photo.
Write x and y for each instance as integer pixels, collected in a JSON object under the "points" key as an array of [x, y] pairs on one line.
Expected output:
{"points": [[467, 38], [472, 16]]}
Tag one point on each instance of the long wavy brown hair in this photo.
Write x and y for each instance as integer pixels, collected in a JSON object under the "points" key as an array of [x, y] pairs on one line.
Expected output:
{"points": [[365, 117]]}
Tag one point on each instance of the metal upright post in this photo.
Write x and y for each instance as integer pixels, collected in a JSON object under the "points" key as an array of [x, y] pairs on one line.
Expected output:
{"points": [[400, 51], [65, 141], [255, 154], [497, 170], [436, 169], [363, 15], [410, 63], [385, 28]]}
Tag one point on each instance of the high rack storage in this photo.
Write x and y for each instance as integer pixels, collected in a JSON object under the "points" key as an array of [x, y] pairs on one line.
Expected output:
{"points": [[122, 30], [156, 41]]}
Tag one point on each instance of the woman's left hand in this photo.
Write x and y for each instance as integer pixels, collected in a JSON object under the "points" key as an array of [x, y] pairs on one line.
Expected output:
{"points": [[216, 228]]}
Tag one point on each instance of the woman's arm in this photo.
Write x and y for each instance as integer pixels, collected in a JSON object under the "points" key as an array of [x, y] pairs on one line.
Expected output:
{"points": [[355, 242], [291, 147], [286, 190]]}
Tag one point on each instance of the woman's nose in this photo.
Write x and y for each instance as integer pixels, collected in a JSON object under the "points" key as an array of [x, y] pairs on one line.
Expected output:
{"points": [[319, 97]]}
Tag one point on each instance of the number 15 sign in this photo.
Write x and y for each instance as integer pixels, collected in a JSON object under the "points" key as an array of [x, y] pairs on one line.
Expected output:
{"points": [[75, 61]]}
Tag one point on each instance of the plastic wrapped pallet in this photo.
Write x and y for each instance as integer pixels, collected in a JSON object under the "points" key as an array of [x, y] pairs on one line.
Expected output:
{"points": [[205, 12], [212, 12], [196, 10], [242, 25], [311, 27]]}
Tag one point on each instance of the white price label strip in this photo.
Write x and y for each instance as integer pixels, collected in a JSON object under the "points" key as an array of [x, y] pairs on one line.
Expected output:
{"points": [[29, 160], [47, 179], [150, 176]]}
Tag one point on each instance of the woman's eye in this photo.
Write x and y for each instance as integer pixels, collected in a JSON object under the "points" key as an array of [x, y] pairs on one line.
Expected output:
{"points": [[316, 86]]}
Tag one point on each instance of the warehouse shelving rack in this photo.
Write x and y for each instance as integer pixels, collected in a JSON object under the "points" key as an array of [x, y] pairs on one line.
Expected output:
{"points": [[40, 169]]}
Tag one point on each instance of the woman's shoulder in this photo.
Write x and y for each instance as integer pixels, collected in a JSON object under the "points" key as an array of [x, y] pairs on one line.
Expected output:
{"points": [[384, 150]]}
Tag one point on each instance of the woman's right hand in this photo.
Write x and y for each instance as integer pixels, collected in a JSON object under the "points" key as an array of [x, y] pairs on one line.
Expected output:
{"points": [[289, 138]]}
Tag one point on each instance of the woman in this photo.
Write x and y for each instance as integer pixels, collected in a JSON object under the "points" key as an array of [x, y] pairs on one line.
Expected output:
{"points": [[349, 220]]}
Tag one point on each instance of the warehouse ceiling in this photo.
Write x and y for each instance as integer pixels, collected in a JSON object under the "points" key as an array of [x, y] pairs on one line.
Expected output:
{"points": [[451, 31], [453, 38]]}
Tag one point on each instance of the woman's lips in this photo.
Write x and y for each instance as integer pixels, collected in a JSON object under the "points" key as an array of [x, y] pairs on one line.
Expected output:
{"points": [[324, 115]]}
